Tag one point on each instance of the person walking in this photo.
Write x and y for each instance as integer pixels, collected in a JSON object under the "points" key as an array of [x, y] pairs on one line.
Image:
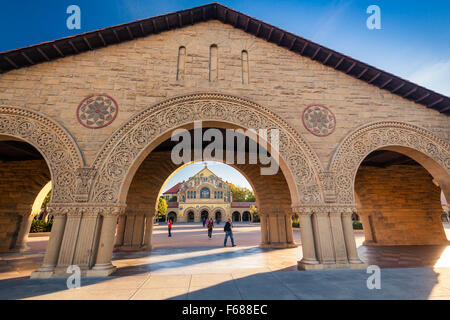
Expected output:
{"points": [[228, 233], [170, 227], [210, 228], [204, 221]]}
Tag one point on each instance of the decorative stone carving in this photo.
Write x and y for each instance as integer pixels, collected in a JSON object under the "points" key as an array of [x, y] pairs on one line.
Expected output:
{"points": [[319, 120], [125, 145], [52, 140], [370, 137], [97, 111], [84, 180]]}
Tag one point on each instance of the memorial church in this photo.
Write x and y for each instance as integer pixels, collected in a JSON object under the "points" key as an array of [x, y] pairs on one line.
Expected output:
{"points": [[204, 195]]}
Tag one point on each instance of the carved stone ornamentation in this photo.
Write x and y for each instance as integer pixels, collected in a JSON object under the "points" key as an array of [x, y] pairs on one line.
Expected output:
{"points": [[319, 120], [52, 141], [84, 180], [97, 111], [373, 136], [126, 144]]}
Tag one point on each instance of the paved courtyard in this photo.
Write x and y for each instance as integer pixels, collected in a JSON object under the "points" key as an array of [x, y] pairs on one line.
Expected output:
{"points": [[191, 266]]}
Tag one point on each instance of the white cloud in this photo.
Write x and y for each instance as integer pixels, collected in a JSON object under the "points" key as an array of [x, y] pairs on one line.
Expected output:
{"points": [[434, 76]]}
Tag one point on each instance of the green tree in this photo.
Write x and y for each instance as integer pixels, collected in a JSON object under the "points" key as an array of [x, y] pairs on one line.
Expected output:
{"points": [[254, 213], [242, 194], [162, 208], [172, 199]]}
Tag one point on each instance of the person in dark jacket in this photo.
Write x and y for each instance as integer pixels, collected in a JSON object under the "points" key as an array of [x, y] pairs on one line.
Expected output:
{"points": [[228, 233], [210, 227]]}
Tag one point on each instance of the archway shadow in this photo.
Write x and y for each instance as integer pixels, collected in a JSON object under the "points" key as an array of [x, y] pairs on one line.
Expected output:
{"points": [[346, 284]]}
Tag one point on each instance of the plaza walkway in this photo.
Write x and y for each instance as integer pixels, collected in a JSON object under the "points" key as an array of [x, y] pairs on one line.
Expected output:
{"points": [[190, 266]]}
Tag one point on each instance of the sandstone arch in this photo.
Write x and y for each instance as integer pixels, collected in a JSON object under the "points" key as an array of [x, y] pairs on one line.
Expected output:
{"points": [[53, 141], [121, 155], [423, 146]]}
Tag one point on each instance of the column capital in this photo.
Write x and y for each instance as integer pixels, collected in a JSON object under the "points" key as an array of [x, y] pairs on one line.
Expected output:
{"points": [[85, 209], [324, 209]]}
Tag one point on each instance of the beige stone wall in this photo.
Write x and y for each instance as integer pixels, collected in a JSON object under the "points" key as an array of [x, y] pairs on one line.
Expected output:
{"points": [[20, 183], [142, 72], [399, 205]]}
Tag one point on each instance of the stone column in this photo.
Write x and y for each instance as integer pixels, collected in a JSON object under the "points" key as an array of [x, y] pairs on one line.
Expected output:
{"points": [[70, 237], [54, 244], [22, 237], [103, 265], [288, 223], [337, 232], [120, 231], [349, 237], [307, 237], [84, 255], [148, 232], [323, 235], [264, 232]]}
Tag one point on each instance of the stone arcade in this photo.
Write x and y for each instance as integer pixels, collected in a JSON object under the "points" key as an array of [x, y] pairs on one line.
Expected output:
{"points": [[94, 114]]}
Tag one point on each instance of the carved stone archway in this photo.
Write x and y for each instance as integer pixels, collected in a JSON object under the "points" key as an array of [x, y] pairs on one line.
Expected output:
{"points": [[120, 156], [55, 144], [423, 146]]}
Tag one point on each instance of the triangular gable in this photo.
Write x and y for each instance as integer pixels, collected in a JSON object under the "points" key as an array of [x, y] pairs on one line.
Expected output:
{"points": [[51, 50]]}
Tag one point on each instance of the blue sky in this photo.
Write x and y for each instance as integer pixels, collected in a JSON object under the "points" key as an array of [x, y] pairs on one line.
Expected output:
{"points": [[413, 43]]}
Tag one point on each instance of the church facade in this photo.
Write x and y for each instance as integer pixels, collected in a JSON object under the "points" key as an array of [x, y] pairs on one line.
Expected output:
{"points": [[205, 195]]}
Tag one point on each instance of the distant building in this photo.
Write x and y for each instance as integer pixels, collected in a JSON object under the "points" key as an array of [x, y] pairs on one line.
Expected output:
{"points": [[204, 195]]}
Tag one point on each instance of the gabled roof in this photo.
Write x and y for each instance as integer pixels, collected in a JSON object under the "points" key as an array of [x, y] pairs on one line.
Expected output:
{"points": [[51, 50], [174, 189], [205, 172]]}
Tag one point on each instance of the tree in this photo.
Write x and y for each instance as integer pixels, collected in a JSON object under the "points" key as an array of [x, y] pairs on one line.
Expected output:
{"points": [[242, 194], [254, 213], [172, 199], [162, 208]]}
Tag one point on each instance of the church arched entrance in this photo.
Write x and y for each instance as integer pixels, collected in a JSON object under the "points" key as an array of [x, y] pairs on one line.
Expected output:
{"points": [[246, 216], [236, 216], [204, 214], [172, 216]]}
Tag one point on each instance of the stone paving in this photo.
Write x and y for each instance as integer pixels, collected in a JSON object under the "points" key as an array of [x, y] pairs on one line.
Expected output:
{"points": [[191, 266]]}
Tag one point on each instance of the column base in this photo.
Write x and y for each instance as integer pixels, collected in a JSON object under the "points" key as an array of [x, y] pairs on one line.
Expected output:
{"points": [[22, 248], [43, 272], [321, 266], [131, 248], [101, 270], [278, 245]]}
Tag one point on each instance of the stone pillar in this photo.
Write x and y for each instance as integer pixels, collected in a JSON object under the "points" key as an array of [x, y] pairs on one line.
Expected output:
{"points": [[264, 232], [337, 232], [54, 244], [148, 232], [84, 255], [307, 237], [323, 235], [24, 229], [288, 226], [350, 244], [103, 265], [70, 238], [120, 231]]}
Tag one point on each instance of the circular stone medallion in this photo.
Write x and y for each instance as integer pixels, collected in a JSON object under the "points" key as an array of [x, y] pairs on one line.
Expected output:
{"points": [[97, 111], [319, 120]]}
